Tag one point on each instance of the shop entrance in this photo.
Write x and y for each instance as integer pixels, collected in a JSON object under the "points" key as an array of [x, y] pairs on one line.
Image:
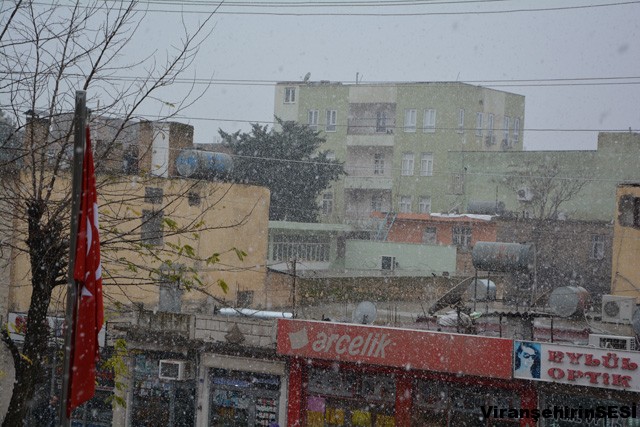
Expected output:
{"points": [[242, 399]]}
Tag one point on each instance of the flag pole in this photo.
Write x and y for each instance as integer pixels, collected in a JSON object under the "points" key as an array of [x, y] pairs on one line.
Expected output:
{"points": [[80, 120]]}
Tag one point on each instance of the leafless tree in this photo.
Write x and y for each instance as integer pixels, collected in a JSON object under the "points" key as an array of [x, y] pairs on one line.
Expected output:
{"points": [[47, 52], [541, 188]]}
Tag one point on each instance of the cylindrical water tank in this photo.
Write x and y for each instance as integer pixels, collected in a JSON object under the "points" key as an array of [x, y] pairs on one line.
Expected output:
{"points": [[498, 256], [204, 164], [569, 300], [484, 290]]}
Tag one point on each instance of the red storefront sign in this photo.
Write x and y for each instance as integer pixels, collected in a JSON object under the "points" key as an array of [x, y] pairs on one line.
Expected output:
{"points": [[404, 348]]}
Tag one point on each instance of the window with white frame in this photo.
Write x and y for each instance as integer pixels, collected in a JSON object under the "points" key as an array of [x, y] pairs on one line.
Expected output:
{"points": [[426, 164], [429, 236], [478, 124], [289, 95], [378, 164], [312, 120], [376, 203], [461, 120], [597, 246], [429, 123], [405, 204], [410, 119], [332, 120], [461, 236], [407, 164], [516, 130], [490, 137], [505, 131], [425, 204], [327, 203]]}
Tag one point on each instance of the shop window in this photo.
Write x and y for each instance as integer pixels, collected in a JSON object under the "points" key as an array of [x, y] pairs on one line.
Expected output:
{"points": [[240, 398]]}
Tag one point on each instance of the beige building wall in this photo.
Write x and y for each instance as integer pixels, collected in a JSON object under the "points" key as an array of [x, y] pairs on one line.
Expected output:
{"points": [[226, 217]]}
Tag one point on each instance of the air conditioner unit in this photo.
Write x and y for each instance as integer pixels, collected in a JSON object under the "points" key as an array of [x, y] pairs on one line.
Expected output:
{"points": [[388, 263], [612, 341], [176, 370], [617, 309], [524, 194]]}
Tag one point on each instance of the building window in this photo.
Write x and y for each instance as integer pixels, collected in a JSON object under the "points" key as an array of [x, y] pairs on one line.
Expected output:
{"points": [[289, 95], [330, 155], [410, 119], [457, 183], [308, 248], [312, 119], [332, 120], [461, 120], [194, 198], [490, 137], [153, 195], [407, 164], [629, 211], [425, 204], [327, 203], [405, 204], [597, 246], [516, 130], [478, 124], [245, 299], [151, 228], [378, 164], [376, 203], [505, 132], [381, 122], [426, 164], [429, 236], [429, 123], [461, 236]]}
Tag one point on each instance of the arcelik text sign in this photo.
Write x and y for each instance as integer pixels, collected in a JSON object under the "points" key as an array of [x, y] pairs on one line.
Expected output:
{"points": [[587, 366], [404, 348]]}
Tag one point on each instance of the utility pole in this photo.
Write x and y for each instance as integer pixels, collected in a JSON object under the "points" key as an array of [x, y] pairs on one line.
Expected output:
{"points": [[80, 121]]}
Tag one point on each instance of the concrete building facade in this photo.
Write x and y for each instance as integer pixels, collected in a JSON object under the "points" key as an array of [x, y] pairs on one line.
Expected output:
{"points": [[394, 139]]}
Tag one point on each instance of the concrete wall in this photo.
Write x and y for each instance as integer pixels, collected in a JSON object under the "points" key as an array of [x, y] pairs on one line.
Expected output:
{"points": [[412, 259]]}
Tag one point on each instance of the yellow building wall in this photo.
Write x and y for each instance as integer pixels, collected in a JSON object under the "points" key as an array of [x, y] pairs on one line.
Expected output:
{"points": [[229, 216], [625, 271]]}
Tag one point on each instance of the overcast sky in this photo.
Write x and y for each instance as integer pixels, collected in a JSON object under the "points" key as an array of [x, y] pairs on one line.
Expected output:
{"points": [[581, 58]]}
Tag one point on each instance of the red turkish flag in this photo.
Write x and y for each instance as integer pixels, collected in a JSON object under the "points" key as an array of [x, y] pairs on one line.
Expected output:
{"points": [[89, 312]]}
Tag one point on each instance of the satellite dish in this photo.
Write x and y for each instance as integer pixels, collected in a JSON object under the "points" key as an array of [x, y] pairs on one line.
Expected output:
{"points": [[307, 76], [365, 313]]}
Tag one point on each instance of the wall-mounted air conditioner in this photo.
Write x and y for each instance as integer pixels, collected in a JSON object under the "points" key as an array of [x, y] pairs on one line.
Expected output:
{"points": [[617, 309], [388, 263], [612, 341], [524, 194], [176, 370]]}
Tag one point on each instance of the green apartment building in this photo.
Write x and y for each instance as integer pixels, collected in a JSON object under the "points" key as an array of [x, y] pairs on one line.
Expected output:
{"points": [[395, 140]]}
